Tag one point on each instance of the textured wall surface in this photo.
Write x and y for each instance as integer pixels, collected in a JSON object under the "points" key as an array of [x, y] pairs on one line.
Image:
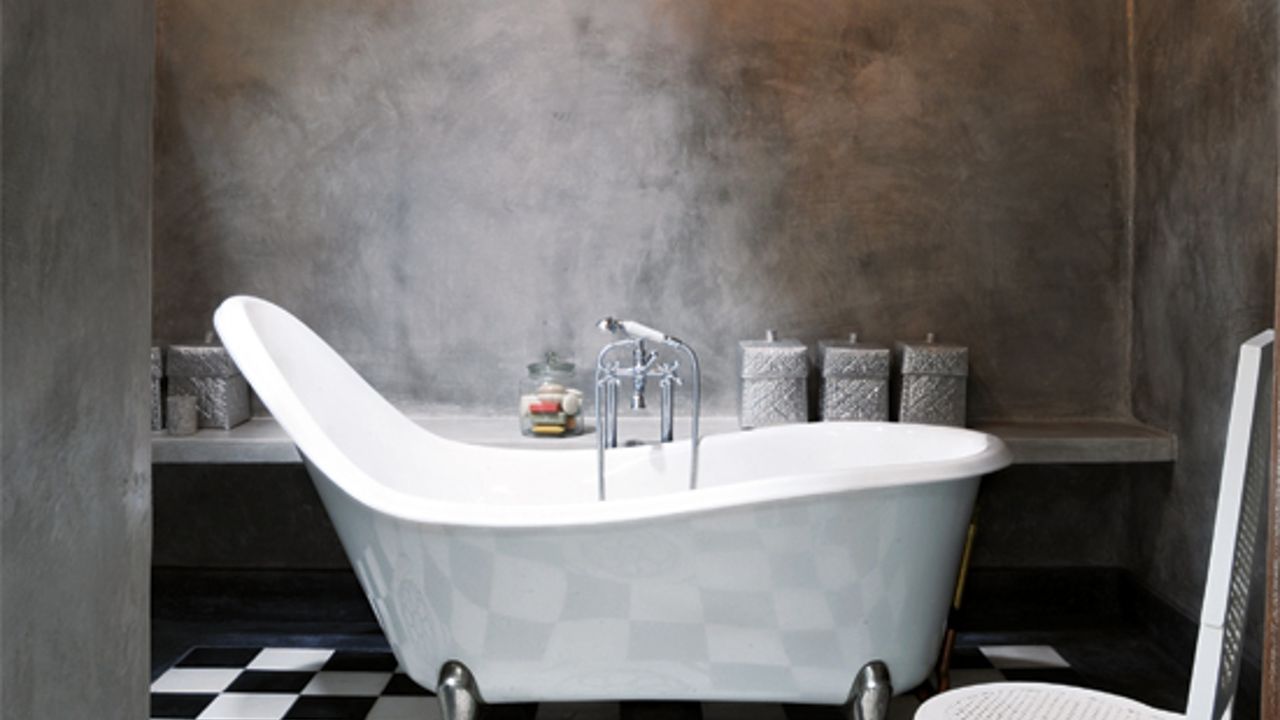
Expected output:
{"points": [[75, 522], [1204, 256], [445, 189]]}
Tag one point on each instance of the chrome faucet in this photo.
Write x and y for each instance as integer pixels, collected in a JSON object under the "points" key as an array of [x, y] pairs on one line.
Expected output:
{"points": [[629, 334]]}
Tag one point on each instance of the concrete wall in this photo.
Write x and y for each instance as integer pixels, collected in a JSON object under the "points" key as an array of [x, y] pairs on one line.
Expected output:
{"points": [[75, 520], [1205, 237], [445, 189]]}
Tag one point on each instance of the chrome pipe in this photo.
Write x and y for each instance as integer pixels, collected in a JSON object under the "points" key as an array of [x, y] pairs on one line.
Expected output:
{"points": [[599, 441], [611, 412], [667, 431], [695, 435]]}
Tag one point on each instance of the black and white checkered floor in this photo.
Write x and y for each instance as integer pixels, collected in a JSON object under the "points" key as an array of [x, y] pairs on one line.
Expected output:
{"points": [[228, 683]]}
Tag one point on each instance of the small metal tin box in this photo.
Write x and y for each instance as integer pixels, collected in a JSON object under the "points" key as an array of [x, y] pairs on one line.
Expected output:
{"points": [[854, 380], [182, 414], [157, 394], [773, 378], [208, 373], [933, 383]]}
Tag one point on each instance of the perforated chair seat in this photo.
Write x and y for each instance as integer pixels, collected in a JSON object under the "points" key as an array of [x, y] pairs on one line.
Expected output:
{"points": [[1035, 701], [1240, 521]]}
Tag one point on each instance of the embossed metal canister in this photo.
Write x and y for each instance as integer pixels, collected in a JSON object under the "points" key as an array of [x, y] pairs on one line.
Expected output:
{"points": [[933, 383], [773, 375], [208, 373], [157, 394], [854, 380]]}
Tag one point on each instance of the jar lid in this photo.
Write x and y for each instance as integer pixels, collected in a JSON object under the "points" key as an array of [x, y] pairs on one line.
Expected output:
{"points": [[552, 365]]}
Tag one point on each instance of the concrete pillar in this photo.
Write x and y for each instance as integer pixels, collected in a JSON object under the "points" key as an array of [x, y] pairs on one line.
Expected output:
{"points": [[75, 284]]}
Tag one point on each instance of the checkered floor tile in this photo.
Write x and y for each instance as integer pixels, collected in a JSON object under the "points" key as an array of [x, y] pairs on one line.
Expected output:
{"points": [[311, 684]]}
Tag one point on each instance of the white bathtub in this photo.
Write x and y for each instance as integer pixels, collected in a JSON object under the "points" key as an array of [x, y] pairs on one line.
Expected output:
{"points": [[807, 552]]}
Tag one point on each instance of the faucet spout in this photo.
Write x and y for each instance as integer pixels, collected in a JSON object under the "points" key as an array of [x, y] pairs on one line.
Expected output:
{"points": [[609, 325]]}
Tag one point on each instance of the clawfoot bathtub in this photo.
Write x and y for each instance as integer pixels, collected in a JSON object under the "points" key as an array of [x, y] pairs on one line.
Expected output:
{"points": [[813, 564]]}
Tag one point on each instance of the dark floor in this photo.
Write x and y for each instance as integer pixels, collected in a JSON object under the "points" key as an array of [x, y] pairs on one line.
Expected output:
{"points": [[1114, 654], [1114, 659]]}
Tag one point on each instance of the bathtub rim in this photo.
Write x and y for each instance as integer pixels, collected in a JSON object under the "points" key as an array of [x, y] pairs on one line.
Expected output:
{"points": [[320, 453], [417, 509]]}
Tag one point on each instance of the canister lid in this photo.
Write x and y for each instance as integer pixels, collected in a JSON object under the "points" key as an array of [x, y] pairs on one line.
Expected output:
{"points": [[200, 361], [933, 358], [773, 358], [852, 358]]}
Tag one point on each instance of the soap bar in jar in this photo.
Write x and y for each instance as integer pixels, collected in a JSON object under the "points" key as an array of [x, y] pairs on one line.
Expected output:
{"points": [[549, 405]]}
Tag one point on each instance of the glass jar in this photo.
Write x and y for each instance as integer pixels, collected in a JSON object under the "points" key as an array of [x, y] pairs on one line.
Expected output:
{"points": [[549, 404]]}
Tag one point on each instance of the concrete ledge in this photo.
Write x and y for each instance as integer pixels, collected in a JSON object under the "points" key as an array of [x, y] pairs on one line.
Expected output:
{"points": [[1041, 442], [1083, 441], [261, 440]]}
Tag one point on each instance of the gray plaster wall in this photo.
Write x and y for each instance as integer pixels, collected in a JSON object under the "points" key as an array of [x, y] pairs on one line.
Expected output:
{"points": [[75, 297], [445, 189], [1205, 237]]}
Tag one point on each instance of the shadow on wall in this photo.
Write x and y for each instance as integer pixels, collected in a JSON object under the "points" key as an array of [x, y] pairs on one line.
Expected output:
{"points": [[445, 190]]}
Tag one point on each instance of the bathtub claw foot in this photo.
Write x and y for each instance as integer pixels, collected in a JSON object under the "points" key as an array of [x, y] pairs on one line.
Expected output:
{"points": [[459, 697], [869, 697]]}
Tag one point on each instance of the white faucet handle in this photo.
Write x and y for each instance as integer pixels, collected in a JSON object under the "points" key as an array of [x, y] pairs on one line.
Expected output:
{"points": [[642, 331], [633, 329]]}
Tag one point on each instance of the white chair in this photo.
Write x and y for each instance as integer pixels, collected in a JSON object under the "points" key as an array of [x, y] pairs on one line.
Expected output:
{"points": [[1242, 497]]}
